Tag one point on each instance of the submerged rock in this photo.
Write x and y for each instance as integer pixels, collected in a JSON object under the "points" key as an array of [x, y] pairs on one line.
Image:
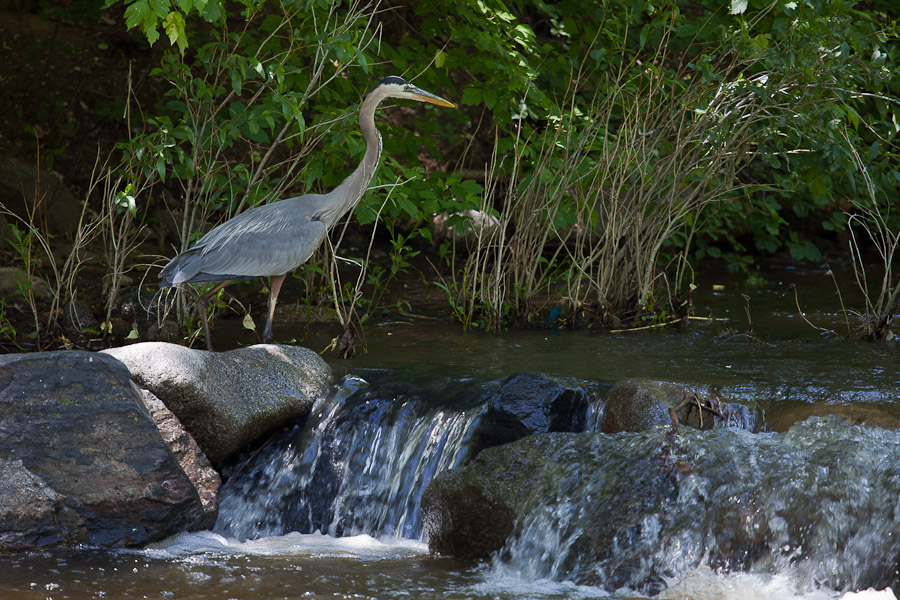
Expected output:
{"points": [[638, 509], [229, 399], [81, 462], [637, 405]]}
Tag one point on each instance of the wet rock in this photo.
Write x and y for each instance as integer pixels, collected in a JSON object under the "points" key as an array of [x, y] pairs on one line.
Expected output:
{"points": [[637, 405], [25, 190], [472, 512], [227, 400], [857, 413], [365, 454], [528, 403], [81, 462], [641, 509], [188, 454]]}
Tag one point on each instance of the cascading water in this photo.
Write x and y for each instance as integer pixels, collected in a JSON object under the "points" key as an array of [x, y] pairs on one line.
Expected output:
{"points": [[820, 502], [359, 464], [361, 461]]}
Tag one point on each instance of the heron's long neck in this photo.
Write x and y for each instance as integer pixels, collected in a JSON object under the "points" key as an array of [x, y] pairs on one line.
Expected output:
{"points": [[351, 190]]}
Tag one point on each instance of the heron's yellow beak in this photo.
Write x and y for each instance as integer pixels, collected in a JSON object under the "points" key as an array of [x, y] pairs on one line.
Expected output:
{"points": [[423, 96]]}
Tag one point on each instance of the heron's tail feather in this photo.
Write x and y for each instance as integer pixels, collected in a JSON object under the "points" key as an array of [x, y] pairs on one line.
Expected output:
{"points": [[181, 269], [186, 268]]}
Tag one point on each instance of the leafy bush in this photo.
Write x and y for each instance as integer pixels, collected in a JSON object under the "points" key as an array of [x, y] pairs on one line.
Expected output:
{"points": [[589, 109]]}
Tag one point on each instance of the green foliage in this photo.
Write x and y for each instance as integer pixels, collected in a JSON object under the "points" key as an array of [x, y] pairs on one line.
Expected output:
{"points": [[22, 241], [264, 105], [169, 15], [7, 329], [837, 70]]}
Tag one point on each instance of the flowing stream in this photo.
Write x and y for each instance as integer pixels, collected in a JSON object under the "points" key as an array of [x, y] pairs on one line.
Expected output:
{"points": [[330, 507]]}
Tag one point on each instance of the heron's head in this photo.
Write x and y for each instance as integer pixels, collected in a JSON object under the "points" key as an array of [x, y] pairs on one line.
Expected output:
{"points": [[397, 87]]}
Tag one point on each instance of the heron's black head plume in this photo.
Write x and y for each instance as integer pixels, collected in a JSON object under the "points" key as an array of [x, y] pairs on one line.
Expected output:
{"points": [[393, 79]]}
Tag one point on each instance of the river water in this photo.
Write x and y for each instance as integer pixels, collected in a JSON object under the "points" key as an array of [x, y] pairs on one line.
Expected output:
{"points": [[373, 545]]}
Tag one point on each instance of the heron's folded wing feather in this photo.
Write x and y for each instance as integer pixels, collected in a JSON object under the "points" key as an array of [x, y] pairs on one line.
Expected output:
{"points": [[257, 251]]}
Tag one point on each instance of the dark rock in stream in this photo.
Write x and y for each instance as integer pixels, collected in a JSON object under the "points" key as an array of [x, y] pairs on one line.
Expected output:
{"points": [[229, 399], [528, 403], [81, 461], [637, 509], [637, 405]]}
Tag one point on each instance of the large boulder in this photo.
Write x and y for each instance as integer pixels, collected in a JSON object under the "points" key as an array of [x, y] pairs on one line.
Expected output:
{"points": [[641, 509], [227, 400], [637, 405], [81, 462]]}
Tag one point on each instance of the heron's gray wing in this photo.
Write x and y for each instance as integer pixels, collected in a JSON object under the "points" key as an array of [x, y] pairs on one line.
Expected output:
{"points": [[272, 239]]}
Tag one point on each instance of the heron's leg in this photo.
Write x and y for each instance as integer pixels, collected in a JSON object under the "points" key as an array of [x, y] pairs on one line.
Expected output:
{"points": [[202, 301], [274, 288]]}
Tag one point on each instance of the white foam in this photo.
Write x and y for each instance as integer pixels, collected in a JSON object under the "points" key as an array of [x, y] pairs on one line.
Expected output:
{"points": [[700, 584], [704, 584], [293, 544]]}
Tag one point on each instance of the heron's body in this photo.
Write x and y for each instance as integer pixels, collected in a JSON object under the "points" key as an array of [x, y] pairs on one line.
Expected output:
{"points": [[274, 239]]}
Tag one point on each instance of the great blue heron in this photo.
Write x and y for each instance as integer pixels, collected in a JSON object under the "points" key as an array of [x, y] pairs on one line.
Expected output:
{"points": [[271, 240]]}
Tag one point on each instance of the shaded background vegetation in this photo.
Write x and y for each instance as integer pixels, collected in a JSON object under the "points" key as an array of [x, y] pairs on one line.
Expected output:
{"points": [[610, 145]]}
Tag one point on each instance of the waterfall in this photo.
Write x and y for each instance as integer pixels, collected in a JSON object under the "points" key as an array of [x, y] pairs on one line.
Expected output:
{"points": [[359, 464], [819, 503]]}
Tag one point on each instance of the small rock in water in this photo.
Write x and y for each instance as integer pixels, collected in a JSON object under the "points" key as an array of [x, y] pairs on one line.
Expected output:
{"points": [[528, 403], [637, 405]]}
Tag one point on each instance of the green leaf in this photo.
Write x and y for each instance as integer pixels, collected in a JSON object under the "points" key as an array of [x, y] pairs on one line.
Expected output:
{"points": [[161, 8], [173, 25], [150, 33], [471, 96], [136, 13], [490, 97], [212, 11]]}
